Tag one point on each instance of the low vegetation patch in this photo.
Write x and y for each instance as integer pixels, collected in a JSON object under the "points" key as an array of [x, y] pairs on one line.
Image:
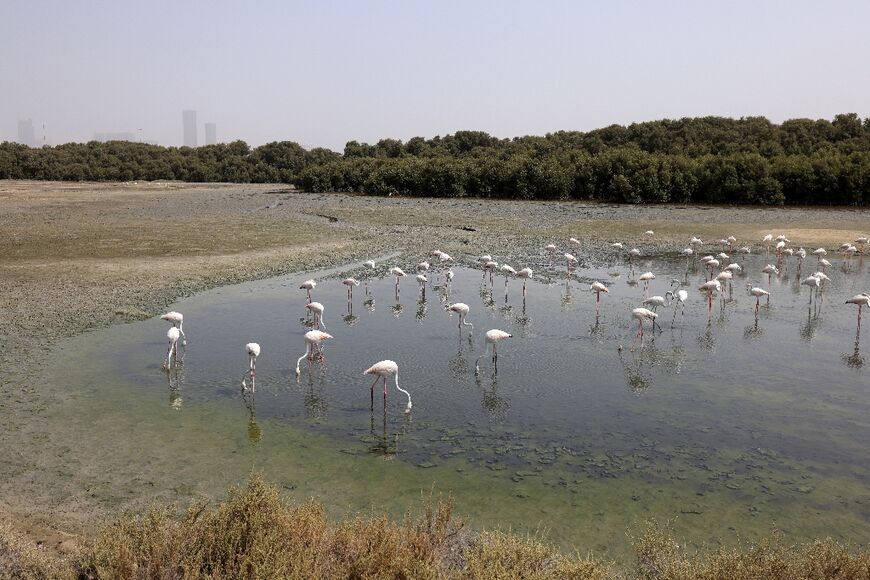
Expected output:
{"points": [[256, 533]]}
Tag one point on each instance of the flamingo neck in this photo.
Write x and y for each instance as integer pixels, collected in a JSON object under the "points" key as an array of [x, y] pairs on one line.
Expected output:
{"points": [[403, 390]]}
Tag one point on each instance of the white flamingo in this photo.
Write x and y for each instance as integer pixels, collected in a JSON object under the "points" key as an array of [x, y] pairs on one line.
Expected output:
{"points": [[525, 274], [421, 279], [462, 309], [812, 282], [861, 300], [710, 288], [369, 265], [172, 334], [770, 270], [313, 341], [317, 309], [177, 319], [382, 370], [489, 267], [398, 273], [492, 337], [308, 286], [679, 298], [598, 288], [641, 314], [350, 283], [766, 241], [253, 350], [645, 278], [507, 271], [569, 259], [758, 293]]}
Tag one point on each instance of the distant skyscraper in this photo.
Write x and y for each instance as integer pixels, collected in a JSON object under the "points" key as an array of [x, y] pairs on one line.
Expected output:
{"points": [[210, 134], [26, 135], [189, 118]]}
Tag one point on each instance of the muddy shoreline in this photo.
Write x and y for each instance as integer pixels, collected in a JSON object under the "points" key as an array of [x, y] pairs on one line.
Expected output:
{"points": [[81, 256]]}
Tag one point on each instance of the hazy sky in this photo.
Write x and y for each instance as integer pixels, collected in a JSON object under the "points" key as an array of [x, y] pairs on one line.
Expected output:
{"points": [[322, 73]]}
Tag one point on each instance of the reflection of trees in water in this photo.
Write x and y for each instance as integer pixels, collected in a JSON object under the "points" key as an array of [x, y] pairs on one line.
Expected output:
{"points": [[422, 308], [397, 309], [494, 404], [636, 376], [707, 340], [753, 331], [523, 320], [459, 364]]}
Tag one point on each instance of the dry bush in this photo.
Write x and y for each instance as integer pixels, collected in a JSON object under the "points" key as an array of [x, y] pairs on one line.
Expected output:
{"points": [[20, 559], [660, 557]]}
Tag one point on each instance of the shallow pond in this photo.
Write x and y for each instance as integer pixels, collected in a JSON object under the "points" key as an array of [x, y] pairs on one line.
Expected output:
{"points": [[720, 420]]}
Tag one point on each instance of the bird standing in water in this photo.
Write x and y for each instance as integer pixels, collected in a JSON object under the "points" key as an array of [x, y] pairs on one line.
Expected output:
{"points": [[177, 319], [382, 370], [462, 309], [492, 337], [313, 340]]}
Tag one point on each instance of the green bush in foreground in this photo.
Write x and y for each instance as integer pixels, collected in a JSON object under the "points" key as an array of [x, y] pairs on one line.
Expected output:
{"points": [[255, 533]]}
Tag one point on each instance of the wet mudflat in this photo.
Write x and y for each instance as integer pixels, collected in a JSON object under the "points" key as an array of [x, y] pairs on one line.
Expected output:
{"points": [[721, 419]]}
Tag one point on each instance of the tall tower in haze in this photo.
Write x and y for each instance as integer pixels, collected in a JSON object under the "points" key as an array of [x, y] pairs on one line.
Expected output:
{"points": [[210, 134], [26, 134], [189, 118]]}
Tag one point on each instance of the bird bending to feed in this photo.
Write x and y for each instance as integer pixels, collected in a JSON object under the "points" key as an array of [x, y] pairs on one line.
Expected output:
{"points": [[177, 319], [598, 288], [253, 350], [770, 270], [382, 370], [313, 340], [398, 273], [172, 334], [680, 297], [642, 314], [492, 337], [350, 283], [317, 309], [861, 300], [462, 309], [308, 286]]}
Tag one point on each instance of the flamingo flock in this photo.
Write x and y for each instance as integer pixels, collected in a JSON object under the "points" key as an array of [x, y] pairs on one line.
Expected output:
{"points": [[720, 271]]}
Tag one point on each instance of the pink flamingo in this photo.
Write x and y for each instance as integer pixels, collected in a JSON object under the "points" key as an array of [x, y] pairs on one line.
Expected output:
{"points": [[313, 340], [493, 337], [382, 370]]}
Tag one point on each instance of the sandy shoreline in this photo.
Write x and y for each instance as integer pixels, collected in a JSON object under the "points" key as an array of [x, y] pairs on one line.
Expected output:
{"points": [[75, 257]]}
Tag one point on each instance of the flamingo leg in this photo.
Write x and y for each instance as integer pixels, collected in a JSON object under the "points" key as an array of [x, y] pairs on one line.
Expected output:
{"points": [[373, 391]]}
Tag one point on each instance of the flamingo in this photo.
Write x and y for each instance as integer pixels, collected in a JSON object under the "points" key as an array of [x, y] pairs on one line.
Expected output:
{"points": [[812, 282], [177, 319], [712, 265], [820, 253], [824, 263], [423, 266], [382, 370], [655, 302], [525, 274], [172, 334], [569, 258], [489, 266], [462, 309], [861, 300], [313, 340], [308, 286], [642, 314], [618, 247], [734, 268], [598, 288], [724, 278], [253, 350], [710, 288], [861, 241], [507, 271], [649, 233], [421, 279], [745, 250], [551, 249], [350, 283], [448, 275], [679, 299], [632, 254], [770, 269], [369, 265], [398, 273], [574, 242], [487, 258], [317, 309], [731, 240], [493, 337], [645, 278], [766, 240], [696, 242], [758, 293]]}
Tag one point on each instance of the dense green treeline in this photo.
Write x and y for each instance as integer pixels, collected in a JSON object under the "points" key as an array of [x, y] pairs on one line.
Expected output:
{"points": [[709, 159]]}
